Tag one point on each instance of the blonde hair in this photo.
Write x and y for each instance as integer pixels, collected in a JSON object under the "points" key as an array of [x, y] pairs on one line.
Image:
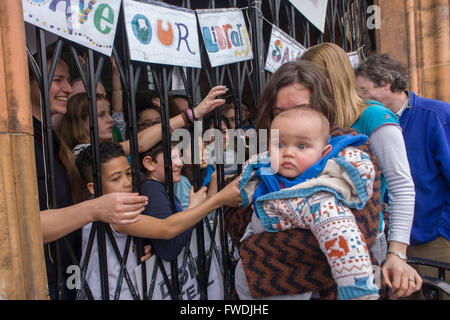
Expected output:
{"points": [[334, 63]]}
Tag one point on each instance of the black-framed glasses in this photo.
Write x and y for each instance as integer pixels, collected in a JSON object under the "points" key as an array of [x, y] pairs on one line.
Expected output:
{"points": [[149, 123]]}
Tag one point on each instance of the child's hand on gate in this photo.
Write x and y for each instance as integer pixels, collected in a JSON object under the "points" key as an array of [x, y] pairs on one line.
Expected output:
{"points": [[195, 198]]}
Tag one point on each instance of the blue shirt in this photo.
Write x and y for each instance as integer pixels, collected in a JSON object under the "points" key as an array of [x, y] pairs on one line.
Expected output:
{"points": [[181, 190], [426, 130], [159, 207]]}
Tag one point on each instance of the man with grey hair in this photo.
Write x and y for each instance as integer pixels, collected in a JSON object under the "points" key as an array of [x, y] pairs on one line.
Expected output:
{"points": [[426, 130]]}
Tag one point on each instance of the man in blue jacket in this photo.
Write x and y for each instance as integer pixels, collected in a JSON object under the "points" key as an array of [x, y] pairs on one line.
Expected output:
{"points": [[426, 129]]}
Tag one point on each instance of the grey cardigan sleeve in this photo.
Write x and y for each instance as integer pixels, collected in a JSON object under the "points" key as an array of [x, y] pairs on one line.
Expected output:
{"points": [[389, 147]]}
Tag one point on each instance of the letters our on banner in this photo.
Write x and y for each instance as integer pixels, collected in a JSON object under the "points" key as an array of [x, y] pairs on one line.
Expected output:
{"points": [[282, 48], [313, 10], [90, 23], [163, 34], [225, 35], [186, 272]]}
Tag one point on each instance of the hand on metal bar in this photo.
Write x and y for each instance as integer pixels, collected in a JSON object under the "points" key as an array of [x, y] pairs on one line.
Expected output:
{"points": [[210, 102]]}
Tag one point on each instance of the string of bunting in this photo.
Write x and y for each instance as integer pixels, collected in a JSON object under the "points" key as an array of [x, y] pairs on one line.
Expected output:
{"points": [[283, 48], [164, 34]]}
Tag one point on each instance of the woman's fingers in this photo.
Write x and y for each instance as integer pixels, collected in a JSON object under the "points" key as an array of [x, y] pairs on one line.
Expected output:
{"points": [[133, 198], [129, 217]]}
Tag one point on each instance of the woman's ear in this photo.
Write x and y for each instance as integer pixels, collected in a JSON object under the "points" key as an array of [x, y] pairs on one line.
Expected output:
{"points": [[90, 187], [148, 164], [326, 150]]}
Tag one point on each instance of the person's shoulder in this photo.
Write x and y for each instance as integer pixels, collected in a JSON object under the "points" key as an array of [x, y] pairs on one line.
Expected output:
{"points": [[185, 180], [374, 116], [439, 108], [154, 185], [377, 109], [155, 190]]}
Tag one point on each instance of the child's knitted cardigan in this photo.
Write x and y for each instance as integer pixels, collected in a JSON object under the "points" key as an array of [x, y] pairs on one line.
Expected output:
{"points": [[291, 262]]}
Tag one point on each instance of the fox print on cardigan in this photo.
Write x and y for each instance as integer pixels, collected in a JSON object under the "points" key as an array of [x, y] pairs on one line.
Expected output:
{"points": [[291, 261]]}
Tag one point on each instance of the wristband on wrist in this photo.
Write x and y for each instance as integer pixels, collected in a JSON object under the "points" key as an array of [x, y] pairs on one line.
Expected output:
{"points": [[189, 114]]}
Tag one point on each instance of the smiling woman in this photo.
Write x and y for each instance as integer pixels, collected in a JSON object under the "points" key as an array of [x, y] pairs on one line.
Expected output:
{"points": [[66, 213]]}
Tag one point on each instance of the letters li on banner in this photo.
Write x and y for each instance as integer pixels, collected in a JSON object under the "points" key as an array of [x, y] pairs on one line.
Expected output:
{"points": [[225, 35], [163, 34], [89, 23], [282, 49], [313, 10], [187, 266]]}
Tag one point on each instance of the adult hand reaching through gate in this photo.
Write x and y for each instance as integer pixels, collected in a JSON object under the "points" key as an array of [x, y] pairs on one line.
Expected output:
{"points": [[210, 102], [150, 136]]}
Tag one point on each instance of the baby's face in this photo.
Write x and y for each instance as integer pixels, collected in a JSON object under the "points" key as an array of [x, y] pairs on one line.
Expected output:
{"points": [[300, 145]]}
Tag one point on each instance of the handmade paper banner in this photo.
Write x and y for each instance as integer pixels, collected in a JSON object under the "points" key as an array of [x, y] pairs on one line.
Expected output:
{"points": [[282, 48], [354, 58], [187, 266], [313, 10], [225, 35], [89, 23], [163, 34]]}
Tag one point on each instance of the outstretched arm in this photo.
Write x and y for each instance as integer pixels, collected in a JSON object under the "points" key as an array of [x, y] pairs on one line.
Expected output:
{"points": [[149, 227], [116, 208], [389, 147], [151, 136]]}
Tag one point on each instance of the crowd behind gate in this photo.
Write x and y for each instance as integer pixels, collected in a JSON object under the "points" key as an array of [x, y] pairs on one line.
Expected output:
{"points": [[356, 175]]}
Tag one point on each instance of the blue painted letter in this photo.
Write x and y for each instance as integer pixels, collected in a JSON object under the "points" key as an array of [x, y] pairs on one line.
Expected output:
{"points": [[210, 46]]}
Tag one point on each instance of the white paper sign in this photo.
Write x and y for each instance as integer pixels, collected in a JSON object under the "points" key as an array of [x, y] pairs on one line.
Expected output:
{"points": [[225, 36], [313, 10], [282, 48], [162, 34], [186, 272], [354, 58], [90, 23]]}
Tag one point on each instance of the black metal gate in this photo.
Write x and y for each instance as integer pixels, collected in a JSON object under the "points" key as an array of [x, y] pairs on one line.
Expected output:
{"points": [[345, 25]]}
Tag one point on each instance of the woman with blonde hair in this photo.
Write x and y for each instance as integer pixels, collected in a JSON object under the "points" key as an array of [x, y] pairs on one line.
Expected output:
{"points": [[386, 141]]}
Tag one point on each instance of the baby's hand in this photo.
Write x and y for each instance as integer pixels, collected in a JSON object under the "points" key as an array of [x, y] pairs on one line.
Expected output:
{"points": [[195, 198]]}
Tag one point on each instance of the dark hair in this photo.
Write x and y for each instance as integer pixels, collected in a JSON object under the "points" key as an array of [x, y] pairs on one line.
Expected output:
{"points": [[208, 121], [305, 73], [108, 151], [73, 125], [173, 108], [153, 152], [381, 70], [146, 106], [144, 102]]}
